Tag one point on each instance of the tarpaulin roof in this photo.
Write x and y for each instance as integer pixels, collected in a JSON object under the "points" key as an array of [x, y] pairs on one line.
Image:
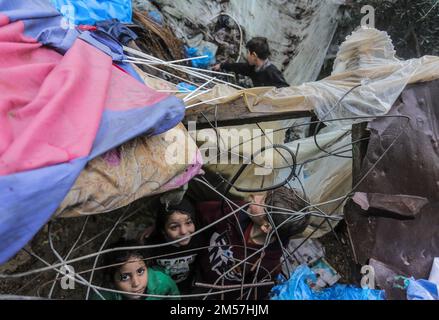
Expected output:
{"points": [[57, 112], [92, 11]]}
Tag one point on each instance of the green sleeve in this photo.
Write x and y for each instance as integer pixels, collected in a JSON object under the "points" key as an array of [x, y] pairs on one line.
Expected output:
{"points": [[171, 286], [161, 284]]}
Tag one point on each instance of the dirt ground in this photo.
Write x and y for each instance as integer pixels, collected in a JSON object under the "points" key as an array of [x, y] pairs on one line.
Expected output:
{"points": [[338, 253]]}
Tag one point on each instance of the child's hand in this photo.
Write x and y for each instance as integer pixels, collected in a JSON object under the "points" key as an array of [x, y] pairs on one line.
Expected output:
{"points": [[257, 199], [257, 212]]}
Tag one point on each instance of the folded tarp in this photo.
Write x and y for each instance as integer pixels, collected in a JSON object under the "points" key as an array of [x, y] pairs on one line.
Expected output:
{"points": [[56, 114], [91, 11], [117, 30]]}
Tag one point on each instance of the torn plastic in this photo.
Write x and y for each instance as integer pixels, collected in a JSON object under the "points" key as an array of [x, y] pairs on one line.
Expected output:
{"points": [[302, 283], [367, 80], [206, 50], [422, 290], [299, 32]]}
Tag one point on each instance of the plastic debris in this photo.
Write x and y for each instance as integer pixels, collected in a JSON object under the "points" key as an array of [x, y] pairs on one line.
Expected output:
{"points": [[302, 284], [327, 275], [156, 16], [308, 253], [202, 63], [422, 290], [185, 87]]}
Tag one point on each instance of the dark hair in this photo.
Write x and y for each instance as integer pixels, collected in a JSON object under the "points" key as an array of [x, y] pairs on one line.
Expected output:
{"points": [[290, 199], [185, 207], [259, 45], [118, 258]]}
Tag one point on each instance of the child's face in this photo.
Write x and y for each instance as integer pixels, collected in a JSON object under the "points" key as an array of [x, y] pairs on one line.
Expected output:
{"points": [[257, 212], [252, 58], [179, 225], [132, 277]]}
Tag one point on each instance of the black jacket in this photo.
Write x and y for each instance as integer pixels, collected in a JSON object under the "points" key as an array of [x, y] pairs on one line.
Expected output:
{"points": [[268, 77]]}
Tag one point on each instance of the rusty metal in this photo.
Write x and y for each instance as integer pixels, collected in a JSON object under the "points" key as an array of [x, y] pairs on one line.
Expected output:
{"points": [[409, 173]]}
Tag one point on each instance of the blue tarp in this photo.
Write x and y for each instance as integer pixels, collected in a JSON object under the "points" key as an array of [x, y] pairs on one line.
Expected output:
{"points": [[202, 63], [91, 11], [422, 290], [117, 30], [31, 194], [298, 288]]}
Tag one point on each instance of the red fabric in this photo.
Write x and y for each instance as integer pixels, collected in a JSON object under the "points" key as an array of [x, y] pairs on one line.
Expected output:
{"points": [[48, 102], [51, 105], [84, 27]]}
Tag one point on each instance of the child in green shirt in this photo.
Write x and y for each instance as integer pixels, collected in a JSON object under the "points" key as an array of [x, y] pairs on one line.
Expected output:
{"points": [[129, 271]]}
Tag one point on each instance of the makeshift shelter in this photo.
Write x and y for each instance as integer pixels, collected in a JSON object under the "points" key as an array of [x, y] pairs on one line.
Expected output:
{"points": [[73, 148], [55, 118]]}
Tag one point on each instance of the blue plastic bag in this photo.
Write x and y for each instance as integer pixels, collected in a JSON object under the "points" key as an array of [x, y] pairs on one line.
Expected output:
{"points": [[202, 63], [91, 11], [156, 16], [422, 290], [185, 87], [298, 288]]}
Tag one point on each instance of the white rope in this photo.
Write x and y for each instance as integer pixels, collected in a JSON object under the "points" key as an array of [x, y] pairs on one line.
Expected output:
{"points": [[187, 98], [176, 67]]}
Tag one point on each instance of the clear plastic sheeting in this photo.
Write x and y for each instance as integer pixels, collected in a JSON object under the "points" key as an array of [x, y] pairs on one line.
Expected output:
{"points": [[367, 80], [299, 32], [326, 180]]}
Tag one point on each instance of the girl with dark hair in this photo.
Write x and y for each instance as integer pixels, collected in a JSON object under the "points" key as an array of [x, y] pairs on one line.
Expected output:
{"points": [[130, 272], [178, 258]]}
